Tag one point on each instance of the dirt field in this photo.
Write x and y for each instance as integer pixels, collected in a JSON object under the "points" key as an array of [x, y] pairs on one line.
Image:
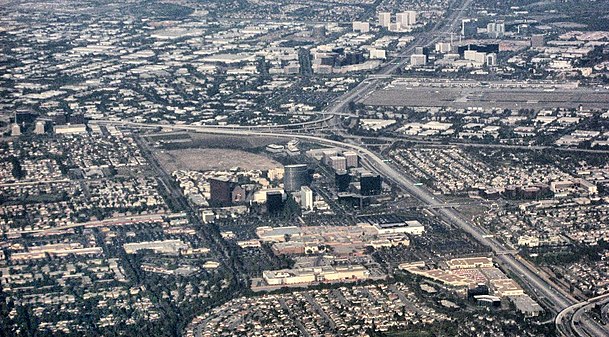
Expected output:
{"points": [[212, 159]]}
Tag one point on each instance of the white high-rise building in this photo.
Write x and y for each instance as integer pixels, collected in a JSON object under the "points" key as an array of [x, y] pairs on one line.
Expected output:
{"points": [[352, 159], [338, 163], [306, 198], [362, 27], [402, 19], [412, 17], [476, 56], [418, 60], [443, 47], [377, 54], [15, 130], [39, 129], [385, 19], [495, 29], [406, 19], [491, 59]]}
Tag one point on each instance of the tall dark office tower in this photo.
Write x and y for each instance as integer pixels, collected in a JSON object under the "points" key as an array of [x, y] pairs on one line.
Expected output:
{"points": [[342, 179], [220, 190], [371, 184], [469, 27], [274, 202], [295, 176]]}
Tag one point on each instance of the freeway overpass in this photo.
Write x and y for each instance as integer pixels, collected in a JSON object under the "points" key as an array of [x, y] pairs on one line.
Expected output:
{"points": [[574, 321]]}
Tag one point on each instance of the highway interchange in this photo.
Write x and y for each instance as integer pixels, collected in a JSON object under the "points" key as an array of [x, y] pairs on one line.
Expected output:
{"points": [[552, 296]]}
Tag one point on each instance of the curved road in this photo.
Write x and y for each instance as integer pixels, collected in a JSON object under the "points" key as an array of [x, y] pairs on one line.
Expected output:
{"points": [[574, 321]]}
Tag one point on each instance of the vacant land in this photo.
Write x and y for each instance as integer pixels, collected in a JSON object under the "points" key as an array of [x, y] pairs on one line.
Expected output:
{"points": [[212, 159]]}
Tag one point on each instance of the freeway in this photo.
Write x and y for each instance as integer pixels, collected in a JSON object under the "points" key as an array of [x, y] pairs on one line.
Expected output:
{"points": [[573, 321], [435, 143]]}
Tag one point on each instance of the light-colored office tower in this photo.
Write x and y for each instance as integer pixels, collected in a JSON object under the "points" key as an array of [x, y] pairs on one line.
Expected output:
{"points": [[327, 154], [15, 130], [402, 19], [338, 163], [351, 158], [443, 47], [406, 19], [377, 54], [39, 129], [418, 60], [495, 29], [491, 59], [362, 27], [472, 55], [385, 19], [306, 198], [412, 17]]}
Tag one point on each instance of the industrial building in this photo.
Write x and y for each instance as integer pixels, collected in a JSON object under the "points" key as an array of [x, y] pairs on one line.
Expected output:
{"points": [[392, 224], [306, 276]]}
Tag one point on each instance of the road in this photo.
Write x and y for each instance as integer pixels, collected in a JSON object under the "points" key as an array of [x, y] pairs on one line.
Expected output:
{"points": [[574, 321], [390, 140]]}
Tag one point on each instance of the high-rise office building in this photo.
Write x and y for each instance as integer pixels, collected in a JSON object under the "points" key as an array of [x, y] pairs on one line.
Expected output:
{"points": [[412, 17], [39, 129], [352, 159], [362, 27], [370, 184], [220, 190], [306, 198], [385, 19], [342, 180], [443, 47], [476, 56], [469, 27], [495, 29], [15, 130], [238, 194], [327, 154], [295, 176], [402, 19], [406, 19], [338, 163], [274, 202], [491, 59], [418, 60], [538, 40]]}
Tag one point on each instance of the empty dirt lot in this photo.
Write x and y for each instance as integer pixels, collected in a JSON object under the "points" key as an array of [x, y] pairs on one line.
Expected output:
{"points": [[212, 159]]}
